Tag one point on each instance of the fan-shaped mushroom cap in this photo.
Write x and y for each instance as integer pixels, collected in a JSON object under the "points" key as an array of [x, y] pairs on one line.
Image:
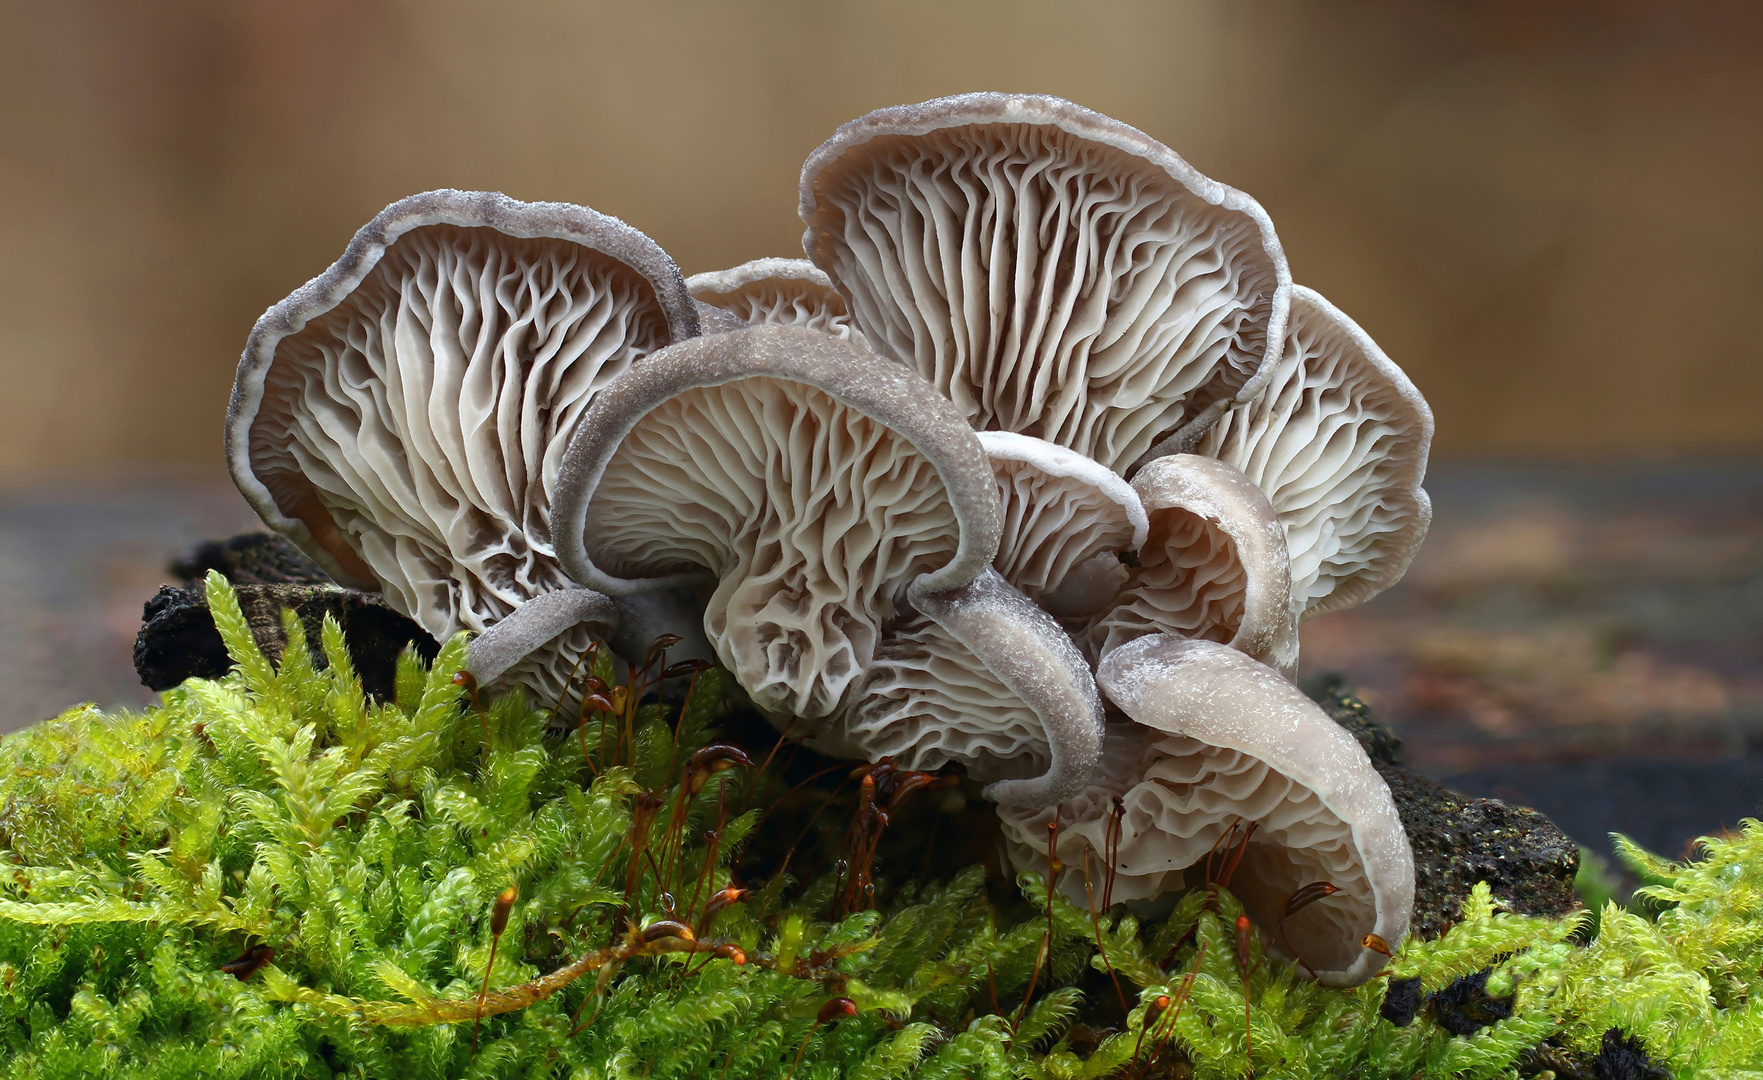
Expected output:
{"points": [[776, 292], [1219, 739], [1053, 271], [810, 480], [402, 416], [1214, 565], [819, 485], [927, 699], [1067, 519], [1338, 441]]}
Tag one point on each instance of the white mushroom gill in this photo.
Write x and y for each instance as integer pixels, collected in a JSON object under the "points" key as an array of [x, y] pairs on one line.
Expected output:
{"points": [[1031, 656], [1338, 441], [1215, 740], [776, 292], [811, 520], [1214, 566], [402, 417], [818, 485], [1052, 271], [927, 699]]}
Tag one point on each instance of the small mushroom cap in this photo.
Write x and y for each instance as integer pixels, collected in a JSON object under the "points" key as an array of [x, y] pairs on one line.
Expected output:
{"points": [[1214, 565], [1338, 441], [1067, 519], [776, 292], [403, 415], [928, 698], [1053, 271], [1030, 654], [1218, 739], [811, 480]]}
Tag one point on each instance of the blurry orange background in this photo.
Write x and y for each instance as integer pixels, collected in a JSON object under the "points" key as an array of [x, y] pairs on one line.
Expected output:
{"points": [[1551, 214]]}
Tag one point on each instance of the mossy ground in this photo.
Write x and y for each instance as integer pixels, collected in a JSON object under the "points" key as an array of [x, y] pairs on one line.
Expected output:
{"points": [[272, 874]]}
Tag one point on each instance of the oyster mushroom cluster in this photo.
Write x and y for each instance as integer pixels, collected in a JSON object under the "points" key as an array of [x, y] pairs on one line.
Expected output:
{"points": [[1032, 466]]}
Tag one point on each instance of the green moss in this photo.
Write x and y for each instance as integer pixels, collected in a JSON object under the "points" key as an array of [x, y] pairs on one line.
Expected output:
{"points": [[154, 857]]}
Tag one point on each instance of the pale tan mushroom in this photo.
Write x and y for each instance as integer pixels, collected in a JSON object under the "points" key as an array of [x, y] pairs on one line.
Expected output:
{"points": [[1216, 740], [776, 292], [402, 416], [1052, 271], [1338, 441]]}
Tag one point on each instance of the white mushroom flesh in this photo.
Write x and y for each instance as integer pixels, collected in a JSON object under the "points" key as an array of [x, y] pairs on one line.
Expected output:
{"points": [[1338, 441], [777, 292], [1052, 271]]}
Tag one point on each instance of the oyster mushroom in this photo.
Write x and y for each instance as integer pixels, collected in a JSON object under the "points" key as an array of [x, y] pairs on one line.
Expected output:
{"points": [[1217, 740], [1214, 565], [819, 491], [776, 292], [926, 700], [402, 417], [1067, 521], [1052, 271], [1338, 441]]}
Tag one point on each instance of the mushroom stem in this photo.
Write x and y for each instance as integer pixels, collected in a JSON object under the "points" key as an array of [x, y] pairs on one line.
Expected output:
{"points": [[532, 624], [1032, 655]]}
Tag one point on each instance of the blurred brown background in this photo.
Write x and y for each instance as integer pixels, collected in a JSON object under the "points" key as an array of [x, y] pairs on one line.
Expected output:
{"points": [[1551, 214]]}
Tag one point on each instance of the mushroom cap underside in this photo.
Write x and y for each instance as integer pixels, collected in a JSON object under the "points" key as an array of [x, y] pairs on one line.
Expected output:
{"points": [[1216, 740], [1051, 270], [801, 480], [776, 292], [1214, 565], [927, 699], [403, 415], [1338, 440]]}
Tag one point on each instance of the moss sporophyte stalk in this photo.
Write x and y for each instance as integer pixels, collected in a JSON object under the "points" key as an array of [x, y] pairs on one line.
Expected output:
{"points": [[274, 874]]}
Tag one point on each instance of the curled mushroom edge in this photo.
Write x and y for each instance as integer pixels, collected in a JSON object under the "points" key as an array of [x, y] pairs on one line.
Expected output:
{"points": [[1213, 739]]}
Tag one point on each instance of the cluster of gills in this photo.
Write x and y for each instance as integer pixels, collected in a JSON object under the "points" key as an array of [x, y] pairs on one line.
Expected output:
{"points": [[1033, 467]]}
